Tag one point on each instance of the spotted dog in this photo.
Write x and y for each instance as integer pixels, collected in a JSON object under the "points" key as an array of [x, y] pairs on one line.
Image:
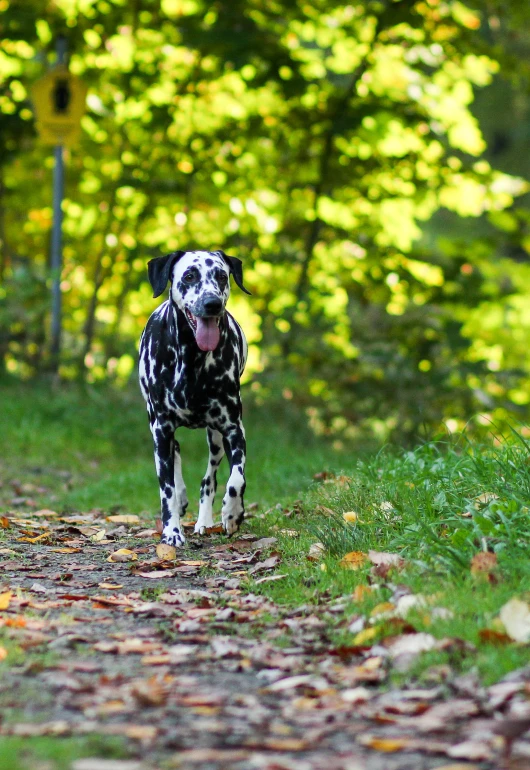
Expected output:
{"points": [[192, 355]]}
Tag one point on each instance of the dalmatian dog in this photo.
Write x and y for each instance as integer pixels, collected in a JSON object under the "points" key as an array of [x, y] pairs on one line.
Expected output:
{"points": [[192, 355]]}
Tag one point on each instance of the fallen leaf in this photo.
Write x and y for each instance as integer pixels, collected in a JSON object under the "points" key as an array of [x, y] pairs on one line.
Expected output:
{"points": [[485, 498], [263, 566], [472, 749], [124, 518], [166, 552], [366, 635], [122, 554], [490, 636], [157, 573], [515, 617], [66, 550], [3, 653], [411, 644], [381, 608], [101, 535], [270, 577], [382, 559], [385, 744], [354, 560], [483, 565], [350, 516], [5, 598], [110, 586], [361, 592], [150, 692], [316, 552]]}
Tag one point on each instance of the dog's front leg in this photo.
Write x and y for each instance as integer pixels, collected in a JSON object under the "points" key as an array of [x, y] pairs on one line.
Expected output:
{"points": [[233, 509], [209, 482], [173, 500]]}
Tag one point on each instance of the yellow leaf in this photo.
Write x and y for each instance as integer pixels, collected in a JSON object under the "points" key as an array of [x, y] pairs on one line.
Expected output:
{"points": [[365, 636], [5, 598], [124, 518], [166, 552], [3, 653], [101, 535], [123, 554], [387, 744], [379, 609], [350, 516], [361, 592], [354, 560]]}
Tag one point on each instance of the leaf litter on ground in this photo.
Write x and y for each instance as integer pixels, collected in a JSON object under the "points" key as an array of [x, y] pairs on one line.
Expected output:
{"points": [[202, 650]]}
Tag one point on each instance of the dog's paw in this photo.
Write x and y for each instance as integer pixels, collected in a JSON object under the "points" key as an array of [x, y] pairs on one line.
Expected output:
{"points": [[174, 537], [231, 523], [202, 526]]}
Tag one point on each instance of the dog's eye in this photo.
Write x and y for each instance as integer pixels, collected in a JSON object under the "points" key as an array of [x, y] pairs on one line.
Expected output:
{"points": [[189, 277], [222, 278]]}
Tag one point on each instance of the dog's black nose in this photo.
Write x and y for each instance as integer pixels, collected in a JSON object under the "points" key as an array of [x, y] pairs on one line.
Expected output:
{"points": [[212, 305]]}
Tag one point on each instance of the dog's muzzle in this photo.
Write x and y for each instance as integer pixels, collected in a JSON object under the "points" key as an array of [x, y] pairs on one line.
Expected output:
{"points": [[205, 324]]}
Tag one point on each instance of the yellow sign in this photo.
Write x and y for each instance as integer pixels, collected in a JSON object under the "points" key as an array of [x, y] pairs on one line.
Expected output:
{"points": [[59, 101]]}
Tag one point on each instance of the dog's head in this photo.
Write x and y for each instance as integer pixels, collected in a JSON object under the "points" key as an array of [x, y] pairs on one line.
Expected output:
{"points": [[200, 287]]}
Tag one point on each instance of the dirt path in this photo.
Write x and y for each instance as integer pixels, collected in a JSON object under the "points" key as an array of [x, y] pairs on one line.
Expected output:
{"points": [[195, 672]]}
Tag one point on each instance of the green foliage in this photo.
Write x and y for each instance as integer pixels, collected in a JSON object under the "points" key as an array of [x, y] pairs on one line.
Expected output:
{"points": [[315, 141], [436, 507]]}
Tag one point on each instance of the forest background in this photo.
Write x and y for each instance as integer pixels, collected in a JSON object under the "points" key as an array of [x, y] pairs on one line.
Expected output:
{"points": [[368, 162]]}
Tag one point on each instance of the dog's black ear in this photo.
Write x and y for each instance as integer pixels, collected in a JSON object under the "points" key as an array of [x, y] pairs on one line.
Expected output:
{"points": [[236, 268], [158, 270]]}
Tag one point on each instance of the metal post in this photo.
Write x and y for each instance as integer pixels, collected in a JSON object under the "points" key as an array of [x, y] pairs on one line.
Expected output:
{"points": [[56, 242]]}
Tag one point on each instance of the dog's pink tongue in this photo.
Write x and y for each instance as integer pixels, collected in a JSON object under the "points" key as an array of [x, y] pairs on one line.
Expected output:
{"points": [[207, 334]]}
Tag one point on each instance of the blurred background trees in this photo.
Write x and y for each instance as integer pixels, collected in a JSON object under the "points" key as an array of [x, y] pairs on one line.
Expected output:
{"points": [[367, 161]]}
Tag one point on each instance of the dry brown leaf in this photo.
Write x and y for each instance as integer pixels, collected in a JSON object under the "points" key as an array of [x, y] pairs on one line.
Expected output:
{"points": [[483, 565], [269, 578], [166, 552], [122, 554], [110, 586], [124, 518], [490, 636], [354, 560], [159, 526], [382, 559], [4, 522], [150, 692], [66, 550], [156, 574], [316, 552]]}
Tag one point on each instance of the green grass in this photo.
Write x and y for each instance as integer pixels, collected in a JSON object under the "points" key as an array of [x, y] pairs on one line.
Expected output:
{"points": [[49, 753], [93, 448], [436, 506]]}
